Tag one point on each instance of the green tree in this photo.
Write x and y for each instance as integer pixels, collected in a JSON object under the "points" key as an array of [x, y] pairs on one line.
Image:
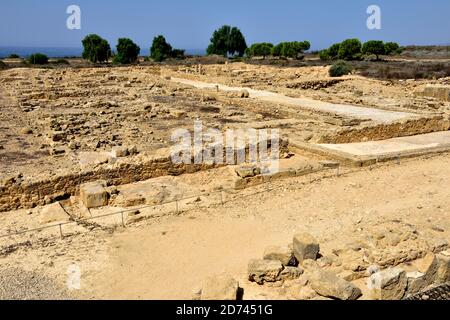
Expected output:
{"points": [[294, 49], [391, 47], [276, 50], [38, 58], [324, 55], [227, 41], [160, 50], [349, 49], [375, 47], [333, 51], [263, 49], [96, 49], [127, 51]]}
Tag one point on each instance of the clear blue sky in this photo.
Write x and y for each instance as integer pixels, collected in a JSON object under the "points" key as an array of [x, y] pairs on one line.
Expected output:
{"points": [[189, 24]]}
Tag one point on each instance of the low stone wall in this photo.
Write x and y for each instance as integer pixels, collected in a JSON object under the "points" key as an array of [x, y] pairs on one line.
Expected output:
{"points": [[387, 131], [16, 193]]}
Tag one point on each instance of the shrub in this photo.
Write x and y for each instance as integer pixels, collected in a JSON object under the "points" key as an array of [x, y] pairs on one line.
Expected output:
{"points": [[177, 54], [38, 58], [227, 41], [62, 61], [2, 64], [339, 69], [259, 50], [96, 49], [14, 56], [127, 51], [349, 48], [374, 47], [391, 47]]}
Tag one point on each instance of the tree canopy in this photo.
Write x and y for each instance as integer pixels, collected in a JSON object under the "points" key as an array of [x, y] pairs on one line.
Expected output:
{"points": [[375, 47], [349, 49], [96, 49], [127, 51], [263, 49], [227, 41]]}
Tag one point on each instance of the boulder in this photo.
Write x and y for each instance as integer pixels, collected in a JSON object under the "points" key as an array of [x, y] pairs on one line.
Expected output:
{"points": [[220, 287], [328, 284], [429, 266], [94, 194], [443, 274], [284, 254], [261, 271], [416, 282], [305, 247], [53, 213], [388, 284]]}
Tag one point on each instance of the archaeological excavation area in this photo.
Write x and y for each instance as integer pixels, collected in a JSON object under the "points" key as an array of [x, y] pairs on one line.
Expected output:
{"points": [[358, 208]]}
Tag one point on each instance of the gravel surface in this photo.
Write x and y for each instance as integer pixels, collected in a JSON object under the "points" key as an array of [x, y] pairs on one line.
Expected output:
{"points": [[17, 284], [439, 293]]}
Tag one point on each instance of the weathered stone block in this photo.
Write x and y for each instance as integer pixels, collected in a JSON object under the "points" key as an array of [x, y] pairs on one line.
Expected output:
{"points": [[120, 152], [94, 195], [429, 266], [261, 271], [305, 247], [435, 91], [388, 285], [328, 284], [284, 254], [443, 274], [220, 287], [53, 213]]}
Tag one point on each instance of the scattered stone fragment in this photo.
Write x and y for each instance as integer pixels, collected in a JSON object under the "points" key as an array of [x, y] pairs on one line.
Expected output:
{"points": [[220, 287], [261, 271], [290, 273], [119, 152], [282, 253], [327, 284], [94, 194], [248, 171], [305, 247], [244, 94], [388, 284], [26, 131], [53, 213]]}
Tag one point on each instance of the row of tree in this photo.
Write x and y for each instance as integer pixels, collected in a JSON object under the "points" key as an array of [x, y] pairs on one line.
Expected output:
{"points": [[96, 49], [229, 41], [293, 49], [353, 49]]}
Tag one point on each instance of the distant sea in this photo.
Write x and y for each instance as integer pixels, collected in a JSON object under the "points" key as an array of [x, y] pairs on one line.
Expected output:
{"points": [[58, 52]]}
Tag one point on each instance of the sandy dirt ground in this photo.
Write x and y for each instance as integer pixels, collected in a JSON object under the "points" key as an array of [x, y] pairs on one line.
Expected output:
{"points": [[166, 258]]}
